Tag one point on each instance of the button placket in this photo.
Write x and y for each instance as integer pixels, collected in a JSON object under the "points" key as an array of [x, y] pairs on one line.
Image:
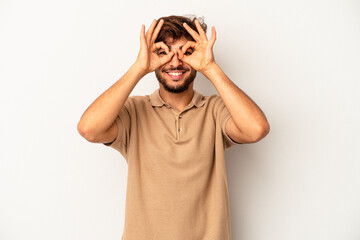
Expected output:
{"points": [[179, 129], [175, 114], [178, 116], [179, 125]]}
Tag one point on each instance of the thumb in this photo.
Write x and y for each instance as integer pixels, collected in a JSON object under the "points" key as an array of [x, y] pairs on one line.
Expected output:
{"points": [[166, 58], [182, 56]]}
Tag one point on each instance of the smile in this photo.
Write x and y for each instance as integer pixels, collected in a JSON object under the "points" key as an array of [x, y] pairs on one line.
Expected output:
{"points": [[175, 75]]}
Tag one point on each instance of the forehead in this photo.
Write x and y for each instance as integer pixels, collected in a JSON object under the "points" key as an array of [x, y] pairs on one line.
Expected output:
{"points": [[172, 43]]}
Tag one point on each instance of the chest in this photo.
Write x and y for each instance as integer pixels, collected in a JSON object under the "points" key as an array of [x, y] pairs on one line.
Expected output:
{"points": [[169, 131]]}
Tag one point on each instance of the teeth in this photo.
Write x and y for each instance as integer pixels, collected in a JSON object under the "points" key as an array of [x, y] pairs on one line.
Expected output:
{"points": [[175, 74]]}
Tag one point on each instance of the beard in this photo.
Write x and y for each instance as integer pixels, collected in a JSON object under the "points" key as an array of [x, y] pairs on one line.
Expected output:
{"points": [[178, 89]]}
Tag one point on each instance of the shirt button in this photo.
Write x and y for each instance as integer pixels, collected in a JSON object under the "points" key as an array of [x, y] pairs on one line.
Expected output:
{"points": [[180, 129], [180, 116]]}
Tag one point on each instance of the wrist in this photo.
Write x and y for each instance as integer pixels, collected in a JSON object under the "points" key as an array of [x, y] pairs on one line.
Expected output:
{"points": [[139, 69], [211, 70], [137, 72]]}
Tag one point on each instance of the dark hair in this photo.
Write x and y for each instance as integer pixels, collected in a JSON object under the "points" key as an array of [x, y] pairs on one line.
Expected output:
{"points": [[173, 27]]}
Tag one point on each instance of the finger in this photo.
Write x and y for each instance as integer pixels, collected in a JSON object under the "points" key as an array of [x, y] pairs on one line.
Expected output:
{"points": [[159, 45], [166, 58], [157, 30], [142, 37], [187, 45], [192, 32], [150, 31], [213, 37], [183, 57], [200, 30], [180, 54]]}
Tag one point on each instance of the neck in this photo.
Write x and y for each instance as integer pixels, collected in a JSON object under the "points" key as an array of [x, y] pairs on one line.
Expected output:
{"points": [[177, 100]]}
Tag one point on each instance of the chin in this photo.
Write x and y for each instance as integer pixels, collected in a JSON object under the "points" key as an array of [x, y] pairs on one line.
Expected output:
{"points": [[167, 82]]}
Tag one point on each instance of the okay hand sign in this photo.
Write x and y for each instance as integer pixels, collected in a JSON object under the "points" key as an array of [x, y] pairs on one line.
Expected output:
{"points": [[148, 60], [202, 58]]}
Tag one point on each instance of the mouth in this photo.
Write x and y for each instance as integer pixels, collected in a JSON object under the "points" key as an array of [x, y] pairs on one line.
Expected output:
{"points": [[176, 75]]}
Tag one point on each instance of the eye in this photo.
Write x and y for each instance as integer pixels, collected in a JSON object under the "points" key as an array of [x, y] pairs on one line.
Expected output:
{"points": [[189, 51], [161, 53]]}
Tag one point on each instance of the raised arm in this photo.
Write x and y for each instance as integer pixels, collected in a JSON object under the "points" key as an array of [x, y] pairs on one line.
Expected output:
{"points": [[248, 123], [97, 124]]}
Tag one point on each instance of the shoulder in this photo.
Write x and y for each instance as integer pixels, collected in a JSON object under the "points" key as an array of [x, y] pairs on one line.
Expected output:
{"points": [[137, 102], [214, 102], [138, 98], [199, 99]]}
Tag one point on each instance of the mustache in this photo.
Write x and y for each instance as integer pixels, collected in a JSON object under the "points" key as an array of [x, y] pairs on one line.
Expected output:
{"points": [[174, 69]]}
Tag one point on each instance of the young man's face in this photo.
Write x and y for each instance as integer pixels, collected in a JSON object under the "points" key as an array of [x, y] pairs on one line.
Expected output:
{"points": [[175, 76]]}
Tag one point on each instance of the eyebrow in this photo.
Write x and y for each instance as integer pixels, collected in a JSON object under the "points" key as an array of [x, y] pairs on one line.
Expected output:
{"points": [[179, 47], [170, 46]]}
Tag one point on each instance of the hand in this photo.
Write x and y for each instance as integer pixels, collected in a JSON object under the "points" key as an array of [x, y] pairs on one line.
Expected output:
{"points": [[148, 60], [202, 58]]}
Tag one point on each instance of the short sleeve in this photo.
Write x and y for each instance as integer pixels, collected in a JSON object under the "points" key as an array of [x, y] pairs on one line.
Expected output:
{"points": [[123, 121], [224, 116]]}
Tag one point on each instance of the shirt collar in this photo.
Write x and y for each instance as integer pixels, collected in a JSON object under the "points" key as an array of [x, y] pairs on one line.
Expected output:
{"points": [[198, 99]]}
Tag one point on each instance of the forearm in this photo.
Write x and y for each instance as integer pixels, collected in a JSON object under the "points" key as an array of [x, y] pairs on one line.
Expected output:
{"points": [[246, 115], [101, 114]]}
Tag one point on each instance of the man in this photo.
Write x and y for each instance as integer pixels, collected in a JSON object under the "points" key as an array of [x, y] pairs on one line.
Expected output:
{"points": [[174, 139]]}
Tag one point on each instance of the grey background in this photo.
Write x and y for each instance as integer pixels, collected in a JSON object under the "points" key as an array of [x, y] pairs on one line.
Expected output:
{"points": [[298, 60]]}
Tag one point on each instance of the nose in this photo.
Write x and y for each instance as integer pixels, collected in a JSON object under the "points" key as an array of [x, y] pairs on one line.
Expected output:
{"points": [[175, 61]]}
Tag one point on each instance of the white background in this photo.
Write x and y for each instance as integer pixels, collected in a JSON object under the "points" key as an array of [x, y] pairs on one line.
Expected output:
{"points": [[298, 60]]}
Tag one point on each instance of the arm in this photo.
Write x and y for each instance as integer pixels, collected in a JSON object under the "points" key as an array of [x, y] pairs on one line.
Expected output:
{"points": [[247, 123], [97, 124]]}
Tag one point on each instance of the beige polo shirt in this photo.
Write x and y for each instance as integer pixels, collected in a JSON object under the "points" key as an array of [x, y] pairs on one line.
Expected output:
{"points": [[177, 186]]}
